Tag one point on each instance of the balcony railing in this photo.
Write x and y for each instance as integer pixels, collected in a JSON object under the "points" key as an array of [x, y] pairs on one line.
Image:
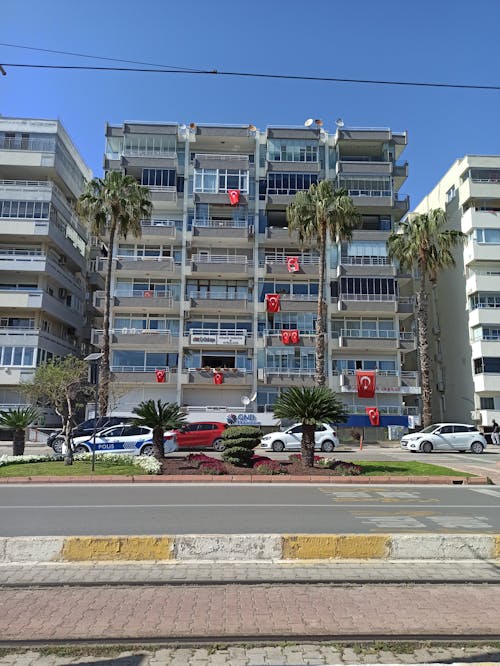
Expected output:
{"points": [[369, 297], [289, 372], [223, 296], [365, 261], [162, 223], [141, 293], [134, 332], [223, 224], [357, 333], [282, 259], [46, 145], [383, 409], [299, 297], [278, 331], [141, 368], [222, 158], [220, 259]]}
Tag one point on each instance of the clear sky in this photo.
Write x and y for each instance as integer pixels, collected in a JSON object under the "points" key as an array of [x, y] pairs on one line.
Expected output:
{"points": [[420, 40]]}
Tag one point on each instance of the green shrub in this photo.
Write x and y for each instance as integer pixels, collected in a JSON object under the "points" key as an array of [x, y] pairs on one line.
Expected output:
{"points": [[240, 443]]}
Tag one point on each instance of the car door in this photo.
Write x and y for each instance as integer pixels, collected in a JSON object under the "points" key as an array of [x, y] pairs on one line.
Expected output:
{"points": [[188, 437], [110, 440], [132, 438], [462, 437], [319, 434], [205, 434], [443, 438], [293, 438]]}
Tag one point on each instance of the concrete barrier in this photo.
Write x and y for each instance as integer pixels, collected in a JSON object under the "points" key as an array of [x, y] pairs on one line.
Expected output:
{"points": [[251, 547]]}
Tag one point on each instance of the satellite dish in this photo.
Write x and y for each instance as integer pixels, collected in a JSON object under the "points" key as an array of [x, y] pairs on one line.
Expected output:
{"points": [[308, 122], [245, 400], [318, 122], [192, 125], [253, 397], [339, 122], [252, 128]]}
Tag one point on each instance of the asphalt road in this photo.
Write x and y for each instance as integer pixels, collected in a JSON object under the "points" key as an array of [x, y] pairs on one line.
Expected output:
{"points": [[244, 509]]}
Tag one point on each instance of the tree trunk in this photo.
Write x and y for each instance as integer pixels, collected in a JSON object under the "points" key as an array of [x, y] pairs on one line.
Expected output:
{"points": [[68, 456], [307, 445], [104, 372], [18, 440], [423, 352], [319, 376], [158, 448]]}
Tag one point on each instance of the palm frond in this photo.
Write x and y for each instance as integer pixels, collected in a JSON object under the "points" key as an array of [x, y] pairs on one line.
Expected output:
{"points": [[310, 406]]}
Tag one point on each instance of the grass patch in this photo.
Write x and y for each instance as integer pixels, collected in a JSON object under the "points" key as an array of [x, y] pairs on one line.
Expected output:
{"points": [[407, 468], [78, 468]]}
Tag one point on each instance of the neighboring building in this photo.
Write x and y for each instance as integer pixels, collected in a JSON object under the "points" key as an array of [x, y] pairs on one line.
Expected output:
{"points": [[189, 297], [43, 264], [465, 304]]}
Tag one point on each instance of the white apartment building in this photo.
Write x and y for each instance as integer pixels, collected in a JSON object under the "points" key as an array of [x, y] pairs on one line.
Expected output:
{"points": [[465, 304], [43, 265], [191, 320]]}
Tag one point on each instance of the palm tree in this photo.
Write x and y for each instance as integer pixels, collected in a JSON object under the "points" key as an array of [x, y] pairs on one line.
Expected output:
{"points": [[114, 205], [422, 243], [310, 406], [314, 214], [18, 420], [160, 416]]}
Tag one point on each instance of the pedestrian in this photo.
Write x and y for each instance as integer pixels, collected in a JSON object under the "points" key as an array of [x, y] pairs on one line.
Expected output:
{"points": [[495, 433]]}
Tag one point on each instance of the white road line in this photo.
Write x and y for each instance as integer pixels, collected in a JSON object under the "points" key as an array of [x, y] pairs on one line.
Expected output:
{"points": [[340, 506], [494, 492]]}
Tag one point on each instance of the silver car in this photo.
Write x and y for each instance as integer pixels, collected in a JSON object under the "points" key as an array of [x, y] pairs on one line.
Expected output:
{"points": [[445, 437]]}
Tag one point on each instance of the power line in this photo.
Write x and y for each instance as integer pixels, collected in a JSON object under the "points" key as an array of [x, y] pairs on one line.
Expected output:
{"points": [[290, 77]]}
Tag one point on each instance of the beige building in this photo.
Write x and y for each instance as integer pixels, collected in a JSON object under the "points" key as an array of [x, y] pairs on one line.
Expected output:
{"points": [[465, 304]]}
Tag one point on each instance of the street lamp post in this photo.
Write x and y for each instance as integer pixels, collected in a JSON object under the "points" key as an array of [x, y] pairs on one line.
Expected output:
{"points": [[94, 359]]}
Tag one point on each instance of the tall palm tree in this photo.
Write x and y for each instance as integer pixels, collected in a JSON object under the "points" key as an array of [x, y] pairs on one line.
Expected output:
{"points": [[422, 243], [313, 215], [18, 420], [160, 416], [310, 406], [112, 206]]}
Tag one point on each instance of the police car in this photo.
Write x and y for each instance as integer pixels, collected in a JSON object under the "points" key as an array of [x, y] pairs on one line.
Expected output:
{"points": [[134, 440]]}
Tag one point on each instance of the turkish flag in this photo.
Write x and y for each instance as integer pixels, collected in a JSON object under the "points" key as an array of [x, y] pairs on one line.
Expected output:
{"points": [[285, 337], [294, 337], [273, 302], [161, 375], [365, 381], [148, 294], [234, 197], [292, 264], [218, 377], [373, 415]]}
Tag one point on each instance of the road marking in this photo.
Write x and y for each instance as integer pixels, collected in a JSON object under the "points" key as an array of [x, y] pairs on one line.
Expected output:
{"points": [[468, 522], [391, 522], [494, 492], [232, 506]]}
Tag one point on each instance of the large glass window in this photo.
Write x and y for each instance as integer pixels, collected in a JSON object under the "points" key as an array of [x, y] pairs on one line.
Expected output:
{"points": [[350, 365], [292, 150], [484, 300], [215, 289], [144, 145], [159, 177], [220, 180], [487, 235], [127, 360], [289, 183], [27, 210], [17, 356], [367, 187], [487, 365], [385, 288]]}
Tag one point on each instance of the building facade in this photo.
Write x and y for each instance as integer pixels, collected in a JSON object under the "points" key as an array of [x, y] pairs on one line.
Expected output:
{"points": [[465, 304], [43, 263], [215, 305]]}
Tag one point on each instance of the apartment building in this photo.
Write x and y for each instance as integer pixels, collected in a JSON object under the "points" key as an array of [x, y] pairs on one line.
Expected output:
{"points": [[43, 265], [215, 305], [465, 304]]}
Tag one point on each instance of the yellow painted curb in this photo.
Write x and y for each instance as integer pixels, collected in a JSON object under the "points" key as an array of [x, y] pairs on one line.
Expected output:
{"points": [[117, 548], [333, 546], [496, 553]]}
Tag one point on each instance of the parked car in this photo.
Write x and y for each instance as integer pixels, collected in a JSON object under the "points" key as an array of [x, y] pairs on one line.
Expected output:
{"points": [[56, 438], [325, 438], [124, 438], [202, 434], [445, 437]]}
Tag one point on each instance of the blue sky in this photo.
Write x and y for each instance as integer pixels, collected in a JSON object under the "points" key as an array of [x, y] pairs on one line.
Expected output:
{"points": [[438, 40]]}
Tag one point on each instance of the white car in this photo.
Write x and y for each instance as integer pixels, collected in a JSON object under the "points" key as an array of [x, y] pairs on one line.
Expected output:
{"points": [[445, 437], [124, 438], [290, 440]]}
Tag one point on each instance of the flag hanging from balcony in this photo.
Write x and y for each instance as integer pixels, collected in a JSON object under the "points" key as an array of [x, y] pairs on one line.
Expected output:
{"points": [[218, 378], [373, 415], [148, 294], [292, 264], [273, 302], [161, 376], [365, 382], [294, 336], [234, 197], [285, 337]]}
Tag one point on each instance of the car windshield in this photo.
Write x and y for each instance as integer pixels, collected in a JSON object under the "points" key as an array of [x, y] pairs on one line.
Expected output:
{"points": [[430, 428]]}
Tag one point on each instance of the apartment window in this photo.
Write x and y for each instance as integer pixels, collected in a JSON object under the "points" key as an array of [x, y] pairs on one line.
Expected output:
{"points": [[486, 403], [360, 286], [17, 322], [27, 210], [451, 193], [143, 145], [158, 287], [487, 365], [367, 187], [290, 359], [124, 360], [292, 150], [289, 183], [364, 328], [284, 288], [343, 364], [218, 324], [303, 321], [143, 251], [220, 180], [487, 236], [159, 177], [484, 300], [224, 289], [17, 356]]}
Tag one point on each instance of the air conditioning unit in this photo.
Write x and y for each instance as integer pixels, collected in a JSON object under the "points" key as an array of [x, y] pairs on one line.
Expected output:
{"points": [[62, 293]]}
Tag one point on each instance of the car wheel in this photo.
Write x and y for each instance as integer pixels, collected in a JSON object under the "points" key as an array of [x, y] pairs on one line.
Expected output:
{"points": [[57, 445], [426, 447], [147, 450], [476, 447], [278, 446], [328, 446], [218, 444], [81, 449]]}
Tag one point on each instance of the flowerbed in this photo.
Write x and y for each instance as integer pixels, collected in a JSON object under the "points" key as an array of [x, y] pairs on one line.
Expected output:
{"points": [[147, 464]]}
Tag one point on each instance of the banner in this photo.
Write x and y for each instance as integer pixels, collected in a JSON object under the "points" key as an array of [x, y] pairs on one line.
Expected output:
{"points": [[292, 264], [218, 377], [285, 337], [234, 197], [148, 294], [294, 337], [373, 415], [161, 376], [365, 381], [273, 302]]}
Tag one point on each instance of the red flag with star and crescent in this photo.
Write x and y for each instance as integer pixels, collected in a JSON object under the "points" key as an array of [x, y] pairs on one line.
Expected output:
{"points": [[365, 382], [273, 302], [373, 415], [234, 197], [160, 376]]}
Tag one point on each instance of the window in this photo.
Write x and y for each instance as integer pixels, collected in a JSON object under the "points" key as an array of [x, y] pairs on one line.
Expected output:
{"points": [[220, 180], [368, 288], [292, 150], [484, 300], [487, 365], [142, 145], [159, 177], [487, 403], [450, 195], [133, 430], [26, 210], [487, 236], [367, 187], [460, 428], [289, 183], [125, 360], [17, 356]]}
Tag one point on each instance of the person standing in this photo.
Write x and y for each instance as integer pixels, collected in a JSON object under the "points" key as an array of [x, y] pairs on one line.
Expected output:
{"points": [[495, 433]]}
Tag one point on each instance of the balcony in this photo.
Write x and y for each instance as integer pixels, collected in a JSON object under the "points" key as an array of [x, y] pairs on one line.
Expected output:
{"points": [[357, 339], [363, 168], [281, 236], [486, 346], [360, 266], [145, 266], [298, 302], [482, 280], [219, 198], [221, 265], [22, 337], [307, 266], [231, 377], [146, 300], [219, 303], [215, 161], [272, 338], [364, 303], [132, 338], [161, 229], [386, 382], [218, 337], [290, 377], [15, 375], [484, 315], [479, 189], [229, 231], [481, 252], [19, 261], [136, 375], [487, 382], [165, 194], [38, 299], [484, 219]]}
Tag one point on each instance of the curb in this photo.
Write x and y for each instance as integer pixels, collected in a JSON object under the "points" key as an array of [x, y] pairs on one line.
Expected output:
{"points": [[251, 547], [252, 478]]}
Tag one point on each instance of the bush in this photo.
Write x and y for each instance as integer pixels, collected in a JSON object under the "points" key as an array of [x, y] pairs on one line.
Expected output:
{"points": [[269, 467], [240, 443], [212, 466], [341, 468]]}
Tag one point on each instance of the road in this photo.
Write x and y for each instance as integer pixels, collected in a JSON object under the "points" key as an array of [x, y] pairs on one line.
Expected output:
{"points": [[37, 510]]}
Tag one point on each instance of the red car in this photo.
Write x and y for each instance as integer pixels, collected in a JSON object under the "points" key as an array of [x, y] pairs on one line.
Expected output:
{"points": [[201, 435]]}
